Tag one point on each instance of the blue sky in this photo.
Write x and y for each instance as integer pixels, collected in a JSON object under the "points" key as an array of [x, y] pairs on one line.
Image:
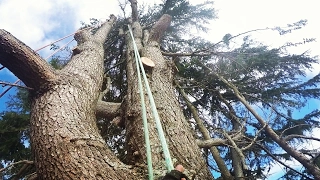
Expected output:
{"points": [[39, 22]]}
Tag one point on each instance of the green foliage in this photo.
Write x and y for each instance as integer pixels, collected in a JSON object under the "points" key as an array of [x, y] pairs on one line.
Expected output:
{"points": [[14, 134], [270, 79]]}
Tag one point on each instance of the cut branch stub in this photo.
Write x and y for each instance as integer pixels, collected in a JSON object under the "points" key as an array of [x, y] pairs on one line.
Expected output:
{"points": [[148, 62]]}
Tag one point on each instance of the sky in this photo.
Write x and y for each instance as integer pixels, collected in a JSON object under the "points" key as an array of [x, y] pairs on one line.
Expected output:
{"points": [[40, 22]]}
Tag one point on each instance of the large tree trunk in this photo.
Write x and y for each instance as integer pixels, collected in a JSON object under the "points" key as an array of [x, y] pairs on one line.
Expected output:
{"points": [[181, 142], [64, 136]]}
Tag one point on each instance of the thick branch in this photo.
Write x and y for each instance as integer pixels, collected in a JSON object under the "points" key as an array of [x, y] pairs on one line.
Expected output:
{"points": [[211, 142], [134, 10], [159, 28], [185, 54], [22, 61], [237, 149], [225, 173], [102, 33], [107, 109]]}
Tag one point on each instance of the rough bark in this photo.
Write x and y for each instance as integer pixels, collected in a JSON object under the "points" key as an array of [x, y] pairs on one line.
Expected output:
{"points": [[25, 63], [64, 135], [182, 144]]}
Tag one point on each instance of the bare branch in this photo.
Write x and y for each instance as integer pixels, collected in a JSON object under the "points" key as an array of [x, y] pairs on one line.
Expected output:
{"points": [[289, 137], [159, 28], [15, 85], [107, 81], [281, 135], [187, 54], [134, 10], [237, 149], [107, 109], [254, 139], [4, 92], [282, 163], [16, 163], [212, 142]]}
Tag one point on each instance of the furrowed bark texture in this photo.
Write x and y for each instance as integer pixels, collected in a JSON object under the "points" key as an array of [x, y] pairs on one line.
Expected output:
{"points": [[64, 135], [182, 144]]}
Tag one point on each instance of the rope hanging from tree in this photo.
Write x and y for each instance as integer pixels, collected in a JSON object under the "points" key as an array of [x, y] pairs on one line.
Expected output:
{"points": [[163, 142]]}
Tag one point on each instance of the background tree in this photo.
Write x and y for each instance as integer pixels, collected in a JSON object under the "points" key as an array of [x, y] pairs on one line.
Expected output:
{"points": [[238, 101]]}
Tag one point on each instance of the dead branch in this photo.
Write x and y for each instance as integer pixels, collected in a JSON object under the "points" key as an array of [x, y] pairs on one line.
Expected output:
{"points": [[15, 85], [212, 142], [289, 137], [237, 149], [254, 139], [107, 110], [107, 82], [281, 135], [16, 163]]}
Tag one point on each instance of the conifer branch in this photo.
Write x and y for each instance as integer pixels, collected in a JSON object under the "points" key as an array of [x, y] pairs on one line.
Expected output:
{"points": [[16, 163]]}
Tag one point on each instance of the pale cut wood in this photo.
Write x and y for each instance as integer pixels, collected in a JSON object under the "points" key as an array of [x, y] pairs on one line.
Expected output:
{"points": [[148, 62]]}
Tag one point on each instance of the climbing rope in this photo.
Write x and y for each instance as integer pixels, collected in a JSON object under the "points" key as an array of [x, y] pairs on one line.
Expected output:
{"points": [[163, 142]]}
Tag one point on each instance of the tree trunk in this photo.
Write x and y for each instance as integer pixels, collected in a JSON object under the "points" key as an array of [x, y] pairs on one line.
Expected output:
{"points": [[64, 136], [182, 144]]}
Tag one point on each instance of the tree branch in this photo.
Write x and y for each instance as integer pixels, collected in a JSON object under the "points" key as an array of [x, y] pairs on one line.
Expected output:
{"points": [[237, 149], [281, 135], [16, 163], [225, 173], [211, 142], [134, 10], [282, 163], [159, 28], [107, 82], [289, 137], [23, 62], [107, 109], [14, 84], [314, 170], [254, 139]]}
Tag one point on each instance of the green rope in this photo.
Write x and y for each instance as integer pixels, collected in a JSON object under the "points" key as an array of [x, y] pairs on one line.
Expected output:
{"points": [[162, 138], [144, 115]]}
